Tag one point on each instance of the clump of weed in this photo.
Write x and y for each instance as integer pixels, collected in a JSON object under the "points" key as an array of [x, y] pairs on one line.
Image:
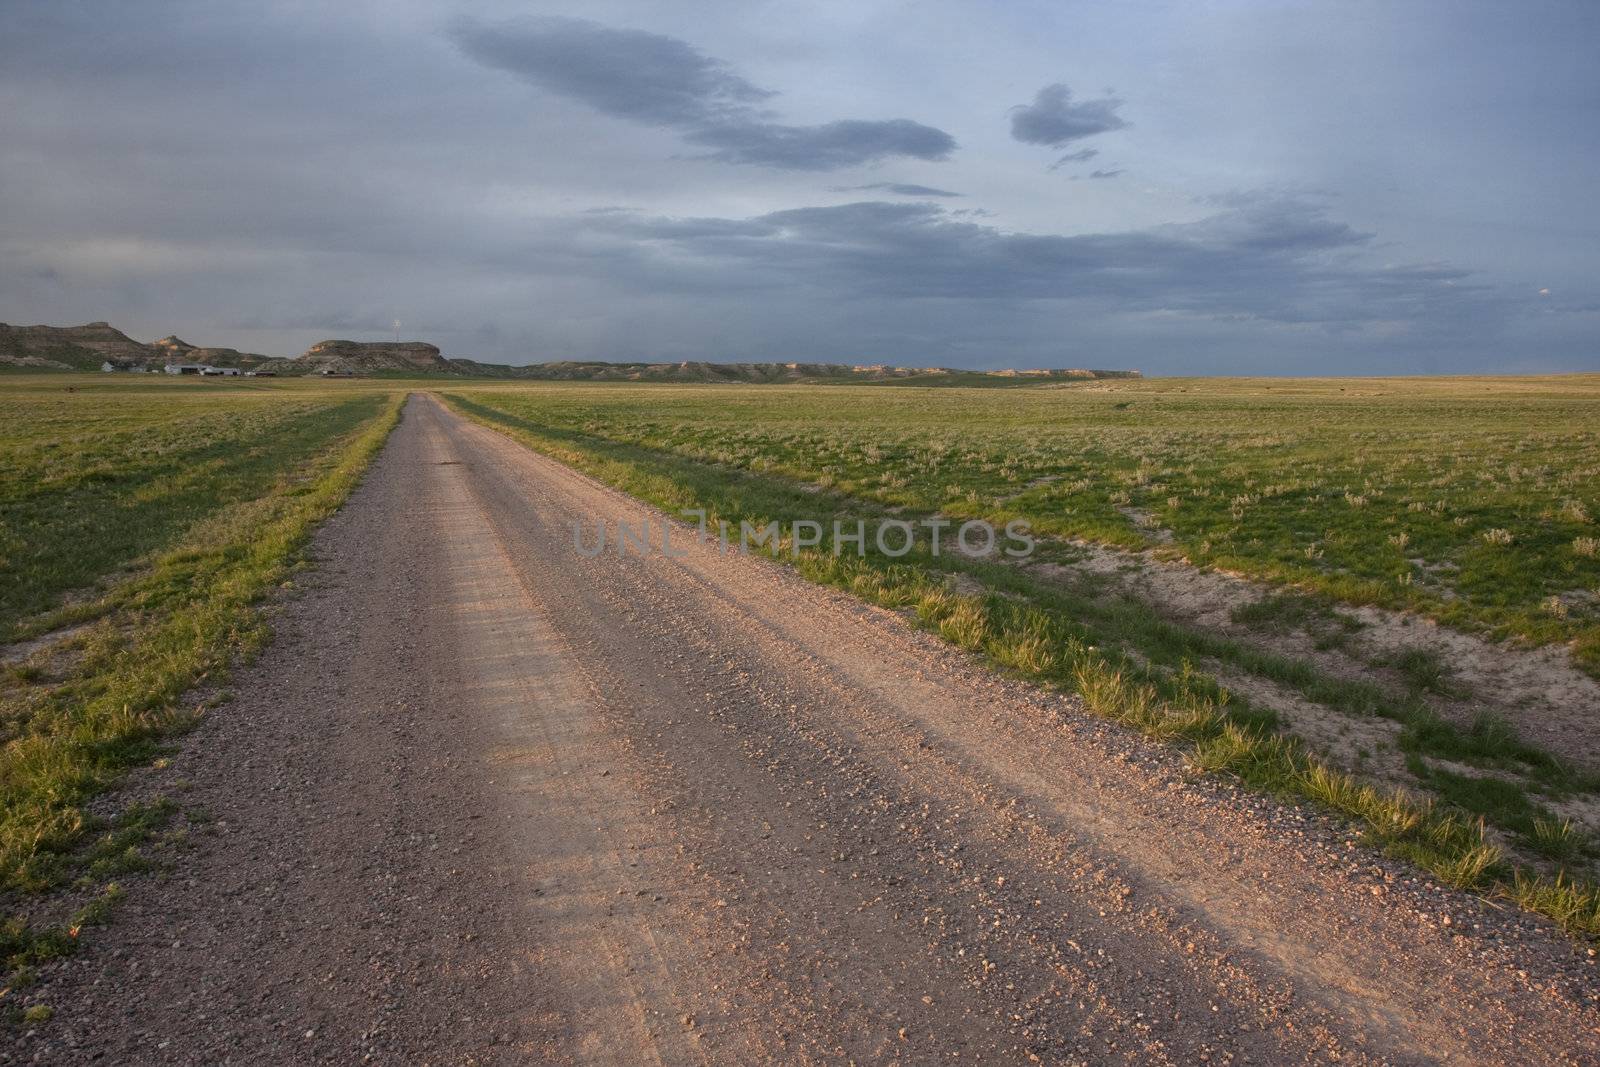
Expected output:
{"points": [[1559, 839], [1570, 902], [965, 624], [1316, 615], [1573, 511], [1424, 671], [1391, 815], [24, 944], [1488, 741], [98, 911], [1029, 648], [1281, 610], [25, 673], [1467, 870], [1229, 749]]}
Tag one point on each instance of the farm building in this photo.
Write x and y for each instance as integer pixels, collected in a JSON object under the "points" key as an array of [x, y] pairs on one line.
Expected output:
{"points": [[186, 368], [220, 372]]}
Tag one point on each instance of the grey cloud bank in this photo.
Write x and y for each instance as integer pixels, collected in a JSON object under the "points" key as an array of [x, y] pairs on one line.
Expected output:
{"points": [[1282, 262], [650, 78], [738, 183]]}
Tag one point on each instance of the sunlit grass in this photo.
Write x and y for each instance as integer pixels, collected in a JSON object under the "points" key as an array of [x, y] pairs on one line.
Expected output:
{"points": [[1470, 500]]}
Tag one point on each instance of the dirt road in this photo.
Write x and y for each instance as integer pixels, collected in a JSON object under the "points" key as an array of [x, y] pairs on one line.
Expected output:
{"points": [[486, 800]]}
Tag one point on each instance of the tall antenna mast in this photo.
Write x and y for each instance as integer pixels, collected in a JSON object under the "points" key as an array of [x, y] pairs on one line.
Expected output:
{"points": [[396, 331]]}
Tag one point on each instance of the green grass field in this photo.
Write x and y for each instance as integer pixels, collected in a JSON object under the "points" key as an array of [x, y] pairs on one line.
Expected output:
{"points": [[1471, 501], [141, 522], [95, 479]]}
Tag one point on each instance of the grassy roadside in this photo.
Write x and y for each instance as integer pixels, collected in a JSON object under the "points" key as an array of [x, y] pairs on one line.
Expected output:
{"points": [[97, 486], [1469, 501], [1050, 636], [176, 623]]}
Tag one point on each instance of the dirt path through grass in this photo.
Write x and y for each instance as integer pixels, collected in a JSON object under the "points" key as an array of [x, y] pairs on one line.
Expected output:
{"points": [[487, 800]]}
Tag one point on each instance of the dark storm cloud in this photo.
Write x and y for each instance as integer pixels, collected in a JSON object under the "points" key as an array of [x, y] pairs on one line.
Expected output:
{"points": [[1283, 262], [1053, 119], [662, 81], [897, 188]]}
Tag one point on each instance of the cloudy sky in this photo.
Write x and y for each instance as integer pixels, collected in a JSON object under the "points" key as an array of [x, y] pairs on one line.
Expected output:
{"points": [[1230, 186]]}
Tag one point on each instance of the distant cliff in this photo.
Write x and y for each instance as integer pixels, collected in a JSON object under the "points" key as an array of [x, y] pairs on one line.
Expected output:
{"points": [[67, 347], [83, 348], [173, 350], [369, 357], [86, 347]]}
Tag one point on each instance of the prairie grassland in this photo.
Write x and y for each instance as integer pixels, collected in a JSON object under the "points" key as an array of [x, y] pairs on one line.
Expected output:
{"points": [[1468, 501], [1473, 501], [92, 480], [141, 522]]}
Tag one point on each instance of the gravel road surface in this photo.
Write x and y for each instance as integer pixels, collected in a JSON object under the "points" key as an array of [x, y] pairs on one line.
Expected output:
{"points": [[486, 800]]}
